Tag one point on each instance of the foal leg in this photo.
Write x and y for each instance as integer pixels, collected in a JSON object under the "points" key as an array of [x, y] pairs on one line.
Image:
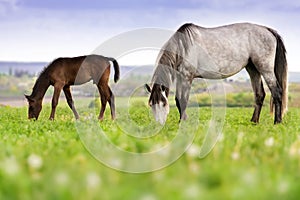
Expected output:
{"points": [[57, 89], [70, 101], [258, 89], [111, 102], [182, 97], [104, 98]]}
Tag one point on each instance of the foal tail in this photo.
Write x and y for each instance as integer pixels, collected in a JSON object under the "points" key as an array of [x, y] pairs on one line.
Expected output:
{"points": [[116, 67], [281, 72]]}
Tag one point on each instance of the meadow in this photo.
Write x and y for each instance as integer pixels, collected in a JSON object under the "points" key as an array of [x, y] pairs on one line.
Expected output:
{"points": [[47, 160]]}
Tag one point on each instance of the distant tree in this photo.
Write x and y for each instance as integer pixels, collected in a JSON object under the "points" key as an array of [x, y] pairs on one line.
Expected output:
{"points": [[10, 71], [20, 72]]}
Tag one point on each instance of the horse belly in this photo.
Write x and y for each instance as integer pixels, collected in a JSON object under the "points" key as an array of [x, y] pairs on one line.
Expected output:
{"points": [[219, 65], [217, 62], [82, 76]]}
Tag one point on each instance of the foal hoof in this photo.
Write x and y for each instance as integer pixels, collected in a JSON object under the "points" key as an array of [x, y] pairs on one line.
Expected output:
{"points": [[277, 122], [254, 121]]}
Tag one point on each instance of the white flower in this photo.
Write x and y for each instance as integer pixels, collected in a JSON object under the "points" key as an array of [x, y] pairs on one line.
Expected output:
{"points": [[192, 192], [269, 142], [61, 178], [283, 187], [235, 155], [10, 166], [93, 180], [34, 161], [148, 197], [295, 149], [193, 151]]}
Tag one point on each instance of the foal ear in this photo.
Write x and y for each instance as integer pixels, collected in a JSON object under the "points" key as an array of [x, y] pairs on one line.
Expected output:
{"points": [[29, 99], [147, 87]]}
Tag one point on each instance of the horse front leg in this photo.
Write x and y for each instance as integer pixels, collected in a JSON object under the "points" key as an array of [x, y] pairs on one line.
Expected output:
{"points": [[182, 98], [57, 90]]}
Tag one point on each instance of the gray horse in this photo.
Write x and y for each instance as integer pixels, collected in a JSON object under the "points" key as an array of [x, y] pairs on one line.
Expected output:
{"points": [[217, 53]]}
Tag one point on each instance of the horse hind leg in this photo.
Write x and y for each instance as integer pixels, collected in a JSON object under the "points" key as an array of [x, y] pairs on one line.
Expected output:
{"points": [[111, 102], [104, 97], [258, 89], [267, 71], [276, 92], [70, 101]]}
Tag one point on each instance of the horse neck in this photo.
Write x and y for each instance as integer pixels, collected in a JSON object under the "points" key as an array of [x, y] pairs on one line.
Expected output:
{"points": [[162, 75], [40, 87]]}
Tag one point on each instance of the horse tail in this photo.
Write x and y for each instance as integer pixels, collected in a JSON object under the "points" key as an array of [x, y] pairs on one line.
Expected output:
{"points": [[281, 72], [116, 68]]}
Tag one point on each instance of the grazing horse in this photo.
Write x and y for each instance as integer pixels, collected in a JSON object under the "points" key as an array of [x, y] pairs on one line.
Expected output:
{"points": [[217, 53], [65, 72]]}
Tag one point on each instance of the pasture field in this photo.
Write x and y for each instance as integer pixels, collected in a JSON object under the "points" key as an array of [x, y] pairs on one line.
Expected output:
{"points": [[46, 159]]}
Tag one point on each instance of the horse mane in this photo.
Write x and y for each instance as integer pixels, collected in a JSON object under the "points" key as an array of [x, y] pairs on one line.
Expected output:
{"points": [[184, 37], [178, 45], [173, 52]]}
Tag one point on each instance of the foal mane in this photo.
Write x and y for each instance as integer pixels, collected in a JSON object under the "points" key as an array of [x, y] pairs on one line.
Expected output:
{"points": [[41, 83]]}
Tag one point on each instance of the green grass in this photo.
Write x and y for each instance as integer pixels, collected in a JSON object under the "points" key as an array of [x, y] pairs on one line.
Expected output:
{"points": [[46, 159]]}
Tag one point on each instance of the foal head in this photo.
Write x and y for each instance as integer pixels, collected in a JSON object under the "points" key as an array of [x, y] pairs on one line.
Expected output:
{"points": [[35, 107], [158, 101]]}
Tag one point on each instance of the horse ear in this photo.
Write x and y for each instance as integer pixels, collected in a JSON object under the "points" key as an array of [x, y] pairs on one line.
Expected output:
{"points": [[163, 88], [147, 87]]}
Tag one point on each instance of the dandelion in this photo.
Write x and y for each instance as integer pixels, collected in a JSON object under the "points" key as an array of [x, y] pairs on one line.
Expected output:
{"points": [[235, 155], [61, 178], [10, 166], [295, 149], [115, 163], [194, 168], [192, 192], [269, 142], [34, 161], [148, 197], [193, 151], [283, 187], [93, 180]]}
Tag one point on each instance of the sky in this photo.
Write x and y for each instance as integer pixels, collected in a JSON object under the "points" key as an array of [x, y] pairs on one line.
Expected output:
{"points": [[41, 30]]}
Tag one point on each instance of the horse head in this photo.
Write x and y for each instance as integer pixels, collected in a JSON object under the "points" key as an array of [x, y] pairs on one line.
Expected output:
{"points": [[35, 107], [158, 101]]}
